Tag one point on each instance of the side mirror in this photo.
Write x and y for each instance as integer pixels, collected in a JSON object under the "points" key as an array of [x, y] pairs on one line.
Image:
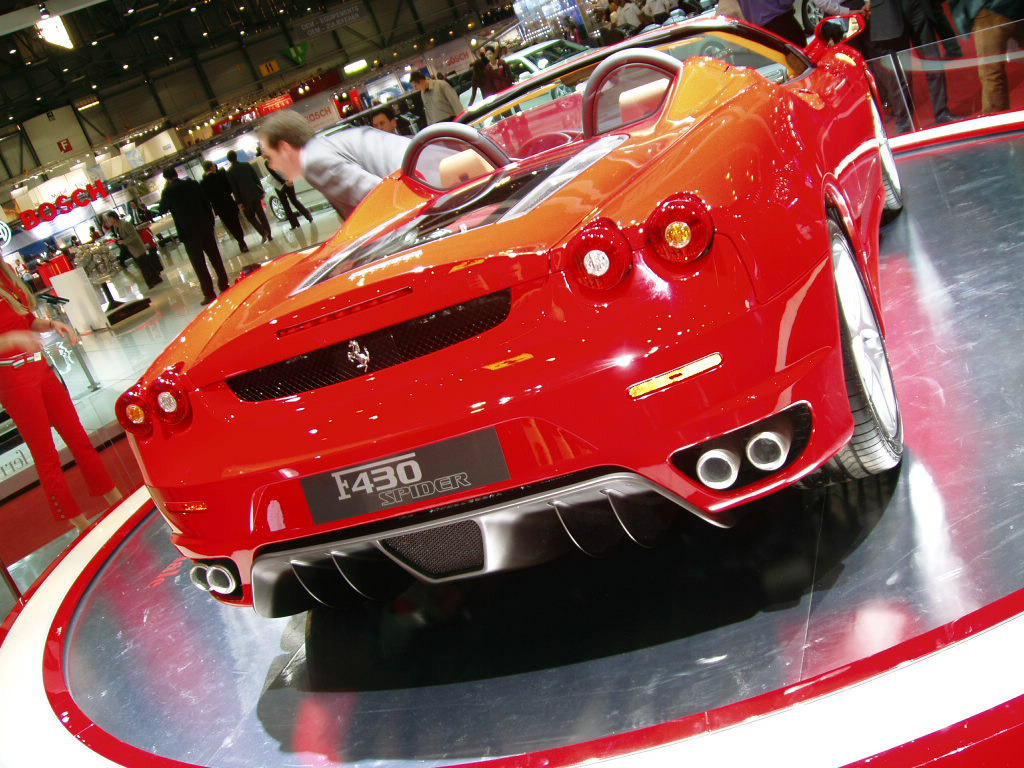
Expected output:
{"points": [[833, 30]]}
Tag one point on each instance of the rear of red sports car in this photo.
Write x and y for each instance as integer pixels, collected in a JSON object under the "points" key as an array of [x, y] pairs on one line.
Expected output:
{"points": [[555, 354]]}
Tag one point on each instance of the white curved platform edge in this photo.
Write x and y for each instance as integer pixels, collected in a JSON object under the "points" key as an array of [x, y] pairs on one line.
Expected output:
{"points": [[30, 733], [919, 697], [959, 129]]}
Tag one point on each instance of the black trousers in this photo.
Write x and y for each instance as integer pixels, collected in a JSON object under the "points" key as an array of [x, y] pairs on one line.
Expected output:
{"points": [[254, 212], [229, 215], [787, 27], [286, 194], [201, 244]]}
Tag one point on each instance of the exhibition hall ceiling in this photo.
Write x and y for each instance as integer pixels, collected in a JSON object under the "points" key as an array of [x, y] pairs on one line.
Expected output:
{"points": [[119, 43]]}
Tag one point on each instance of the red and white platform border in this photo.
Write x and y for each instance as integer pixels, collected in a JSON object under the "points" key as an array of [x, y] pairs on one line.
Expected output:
{"points": [[953, 696]]}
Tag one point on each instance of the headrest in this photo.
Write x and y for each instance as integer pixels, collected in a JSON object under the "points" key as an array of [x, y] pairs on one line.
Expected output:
{"points": [[637, 103], [462, 167]]}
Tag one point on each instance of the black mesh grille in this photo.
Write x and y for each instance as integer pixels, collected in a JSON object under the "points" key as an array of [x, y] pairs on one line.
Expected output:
{"points": [[386, 347], [443, 551]]}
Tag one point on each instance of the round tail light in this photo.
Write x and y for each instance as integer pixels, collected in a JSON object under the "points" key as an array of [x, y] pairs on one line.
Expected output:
{"points": [[169, 397], [134, 412], [599, 255], [680, 230]]}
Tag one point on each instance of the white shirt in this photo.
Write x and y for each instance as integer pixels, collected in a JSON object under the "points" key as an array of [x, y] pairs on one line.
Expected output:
{"points": [[629, 16], [654, 7]]}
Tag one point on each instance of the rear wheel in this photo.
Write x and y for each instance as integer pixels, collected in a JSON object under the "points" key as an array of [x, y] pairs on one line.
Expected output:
{"points": [[890, 176], [877, 441]]}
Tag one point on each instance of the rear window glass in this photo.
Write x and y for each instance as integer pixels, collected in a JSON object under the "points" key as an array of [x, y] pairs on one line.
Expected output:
{"points": [[466, 208]]}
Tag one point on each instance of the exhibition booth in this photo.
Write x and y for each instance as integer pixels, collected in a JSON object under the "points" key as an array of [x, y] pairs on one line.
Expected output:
{"points": [[876, 622]]}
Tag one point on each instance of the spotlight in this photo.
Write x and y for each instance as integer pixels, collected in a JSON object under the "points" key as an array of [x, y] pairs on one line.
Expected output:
{"points": [[43, 12]]}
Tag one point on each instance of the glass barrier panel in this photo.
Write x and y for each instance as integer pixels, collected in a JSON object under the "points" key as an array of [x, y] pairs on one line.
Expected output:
{"points": [[973, 74]]}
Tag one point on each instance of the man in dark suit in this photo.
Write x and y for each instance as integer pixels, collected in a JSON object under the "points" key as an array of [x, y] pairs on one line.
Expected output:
{"points": [[185, 200], [248, 191], [218, 191]]}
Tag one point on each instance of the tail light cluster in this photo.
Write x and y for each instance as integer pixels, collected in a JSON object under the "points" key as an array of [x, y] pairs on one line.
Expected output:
{"points": [[165, 400], [678, 231]]}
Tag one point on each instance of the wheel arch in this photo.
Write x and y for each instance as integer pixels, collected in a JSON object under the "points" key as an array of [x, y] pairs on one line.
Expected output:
{"points": [[837, 207]]}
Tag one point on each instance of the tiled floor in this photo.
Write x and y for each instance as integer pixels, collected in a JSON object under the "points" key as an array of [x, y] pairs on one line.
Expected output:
{"points": [[118, 357]]}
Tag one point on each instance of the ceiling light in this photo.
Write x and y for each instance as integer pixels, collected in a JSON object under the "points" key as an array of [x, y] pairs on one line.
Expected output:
{"points": [[156, 37], [94, 42], [170, 58], [39, 98], [241, 32], [131, 11], [13, 51], [94, 85], [53, 31], [65, 69], [193, 9], [43, 12], [205, 34]]}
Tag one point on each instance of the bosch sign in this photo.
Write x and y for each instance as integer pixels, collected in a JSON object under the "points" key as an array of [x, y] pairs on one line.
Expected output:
{"points": [[80, 198]]}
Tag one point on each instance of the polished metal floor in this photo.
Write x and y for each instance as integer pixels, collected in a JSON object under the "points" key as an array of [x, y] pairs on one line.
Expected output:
{"points": [[808, 581]]}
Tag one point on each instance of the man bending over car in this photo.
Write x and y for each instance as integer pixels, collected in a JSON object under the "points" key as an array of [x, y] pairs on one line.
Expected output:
{"points": [[344, 166]]}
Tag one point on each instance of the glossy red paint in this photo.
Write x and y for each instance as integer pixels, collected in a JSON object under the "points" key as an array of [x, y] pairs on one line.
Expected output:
{"points": [[553, 379]]}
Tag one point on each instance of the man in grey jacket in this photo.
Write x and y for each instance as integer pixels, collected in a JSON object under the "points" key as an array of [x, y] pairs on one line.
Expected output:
{"points": [[345, 166]]}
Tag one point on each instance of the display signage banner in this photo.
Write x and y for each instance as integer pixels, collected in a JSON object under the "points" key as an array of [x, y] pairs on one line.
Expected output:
{"points": [[275, 104], [80, 198], [298, 53], [325, 22], [267, 68]]}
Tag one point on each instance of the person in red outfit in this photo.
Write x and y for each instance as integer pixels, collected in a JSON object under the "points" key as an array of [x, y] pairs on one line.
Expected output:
{"points": [[36, 400]]}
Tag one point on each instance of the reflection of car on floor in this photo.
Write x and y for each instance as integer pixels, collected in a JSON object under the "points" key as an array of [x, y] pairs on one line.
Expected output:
{"points": [[645, 281]]}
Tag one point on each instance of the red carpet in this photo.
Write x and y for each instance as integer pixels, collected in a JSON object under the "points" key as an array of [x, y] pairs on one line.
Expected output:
{"points": [[25, 520]]}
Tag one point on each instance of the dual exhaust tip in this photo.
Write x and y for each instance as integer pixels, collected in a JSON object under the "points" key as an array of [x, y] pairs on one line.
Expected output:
{"points": [[213, 578], [766, 450]]}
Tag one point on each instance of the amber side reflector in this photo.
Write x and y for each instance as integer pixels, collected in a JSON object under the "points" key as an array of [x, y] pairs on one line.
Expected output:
{"points": [[184, 506], [673, 377]]}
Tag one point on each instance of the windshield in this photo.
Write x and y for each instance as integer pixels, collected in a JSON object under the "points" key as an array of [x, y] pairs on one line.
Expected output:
{"points": [[552, 113]]}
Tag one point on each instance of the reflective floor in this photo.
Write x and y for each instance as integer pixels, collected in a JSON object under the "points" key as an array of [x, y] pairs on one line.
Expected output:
{"points": [[808, 581]]}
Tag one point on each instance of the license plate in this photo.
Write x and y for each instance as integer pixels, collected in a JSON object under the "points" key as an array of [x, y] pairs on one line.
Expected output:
{"points": [[432, 471]]}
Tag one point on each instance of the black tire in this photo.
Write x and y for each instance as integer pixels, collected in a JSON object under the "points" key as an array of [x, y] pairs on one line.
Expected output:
{"points": [[877, 442]]}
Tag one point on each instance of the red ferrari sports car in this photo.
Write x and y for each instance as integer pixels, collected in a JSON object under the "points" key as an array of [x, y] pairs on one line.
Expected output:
{"points": [[645, 281]]}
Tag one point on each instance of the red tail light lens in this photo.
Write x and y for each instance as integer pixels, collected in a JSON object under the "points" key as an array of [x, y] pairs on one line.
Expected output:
{"points": [[600, 257], [680, 230], [134, 412], [169, 397]]}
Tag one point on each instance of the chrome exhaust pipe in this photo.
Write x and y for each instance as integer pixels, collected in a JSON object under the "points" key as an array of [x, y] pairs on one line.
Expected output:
{"points": [[718, 468], [769, 449], [198, 576], [221, 580]]}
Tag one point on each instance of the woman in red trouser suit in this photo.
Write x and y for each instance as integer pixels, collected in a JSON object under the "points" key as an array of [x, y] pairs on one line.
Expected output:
{"points": [[36, 400]]}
